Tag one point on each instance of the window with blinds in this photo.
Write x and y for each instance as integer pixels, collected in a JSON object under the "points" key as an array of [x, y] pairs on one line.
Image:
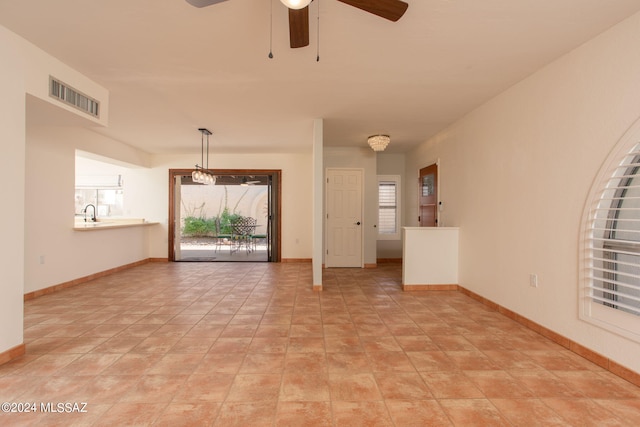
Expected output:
{"points": [[612, 265], [388, 207], [616, 239]]}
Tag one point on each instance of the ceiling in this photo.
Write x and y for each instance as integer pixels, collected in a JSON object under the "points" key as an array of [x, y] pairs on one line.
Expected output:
{"points": [[172, 68]]}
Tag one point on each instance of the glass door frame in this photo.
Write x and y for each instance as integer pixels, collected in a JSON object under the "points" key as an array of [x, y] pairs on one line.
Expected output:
{"points": [[275, 206]]}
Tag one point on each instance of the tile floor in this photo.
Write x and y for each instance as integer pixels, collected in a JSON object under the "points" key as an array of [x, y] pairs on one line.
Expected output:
{"points": [[169, 344]]}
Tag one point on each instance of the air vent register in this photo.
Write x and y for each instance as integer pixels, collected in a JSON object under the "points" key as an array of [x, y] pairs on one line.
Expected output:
{"points": [[72, 97]]}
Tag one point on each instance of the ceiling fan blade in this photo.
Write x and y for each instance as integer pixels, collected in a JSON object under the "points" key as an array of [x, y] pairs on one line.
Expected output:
{"points": [[203, 3], [299, 27], [387, 9]]}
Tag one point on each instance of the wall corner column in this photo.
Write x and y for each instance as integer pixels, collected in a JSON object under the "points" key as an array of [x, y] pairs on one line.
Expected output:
{"points": [[12, 228], [317, 159]]}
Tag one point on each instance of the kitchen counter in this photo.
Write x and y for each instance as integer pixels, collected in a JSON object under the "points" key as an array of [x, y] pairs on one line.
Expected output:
{"points": [[110, 223]]}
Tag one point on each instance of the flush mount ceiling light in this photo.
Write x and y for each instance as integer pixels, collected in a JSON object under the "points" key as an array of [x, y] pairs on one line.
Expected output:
{"points": [[202, 174], [378, 142], [296, 4]]}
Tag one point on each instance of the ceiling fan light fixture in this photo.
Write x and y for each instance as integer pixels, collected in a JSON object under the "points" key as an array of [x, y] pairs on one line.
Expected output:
{"points": [[296, 4], [378, 142]]}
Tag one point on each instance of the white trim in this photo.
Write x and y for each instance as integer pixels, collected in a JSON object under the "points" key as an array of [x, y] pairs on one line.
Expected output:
{"points": [[611, 319]]}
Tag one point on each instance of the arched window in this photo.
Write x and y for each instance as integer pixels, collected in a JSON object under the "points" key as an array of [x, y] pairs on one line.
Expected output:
{"points": [[611, 261], [616, 243]]}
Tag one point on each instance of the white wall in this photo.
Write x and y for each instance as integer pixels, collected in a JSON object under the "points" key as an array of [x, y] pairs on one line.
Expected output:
{"points": [[26, 69], [54, 252], [12, 124], [515, 174]]}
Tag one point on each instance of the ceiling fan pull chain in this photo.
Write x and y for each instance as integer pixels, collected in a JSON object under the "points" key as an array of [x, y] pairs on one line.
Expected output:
{"points": [[318, 36], [271, 32]]}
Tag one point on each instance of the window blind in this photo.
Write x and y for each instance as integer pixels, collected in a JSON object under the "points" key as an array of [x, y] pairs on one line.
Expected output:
{"points": [[387, 207], [615, 239]]}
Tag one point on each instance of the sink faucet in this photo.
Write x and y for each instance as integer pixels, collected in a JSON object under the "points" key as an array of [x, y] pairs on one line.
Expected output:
{"points": [[93, 218]]}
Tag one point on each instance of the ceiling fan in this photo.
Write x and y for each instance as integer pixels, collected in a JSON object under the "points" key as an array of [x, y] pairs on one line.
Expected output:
{"points": [[252, 181], [299, 14]]}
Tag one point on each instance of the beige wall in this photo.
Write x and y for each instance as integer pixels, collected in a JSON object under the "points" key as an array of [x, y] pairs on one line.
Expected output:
{"points": [[54, 252], [515, 174], [12, 123]]}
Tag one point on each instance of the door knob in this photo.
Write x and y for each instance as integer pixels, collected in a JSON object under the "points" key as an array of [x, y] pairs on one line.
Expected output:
{"points": [[358, 223]]}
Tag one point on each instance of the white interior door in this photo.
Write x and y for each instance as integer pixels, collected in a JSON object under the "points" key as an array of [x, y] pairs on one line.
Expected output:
{"points": [[344, 218]]}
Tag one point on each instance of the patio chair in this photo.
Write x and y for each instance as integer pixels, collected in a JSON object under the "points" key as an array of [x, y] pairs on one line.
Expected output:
{"points": [[242, 231]]}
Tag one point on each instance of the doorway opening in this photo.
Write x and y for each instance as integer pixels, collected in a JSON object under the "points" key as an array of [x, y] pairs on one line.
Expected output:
{"points": [[237, 219]]}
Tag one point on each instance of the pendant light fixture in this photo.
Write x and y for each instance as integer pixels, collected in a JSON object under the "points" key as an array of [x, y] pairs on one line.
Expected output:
{"points": [[202, 174]]}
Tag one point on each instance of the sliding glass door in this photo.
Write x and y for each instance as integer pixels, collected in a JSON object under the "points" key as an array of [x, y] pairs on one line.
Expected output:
{"points": [[235, 219]]}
